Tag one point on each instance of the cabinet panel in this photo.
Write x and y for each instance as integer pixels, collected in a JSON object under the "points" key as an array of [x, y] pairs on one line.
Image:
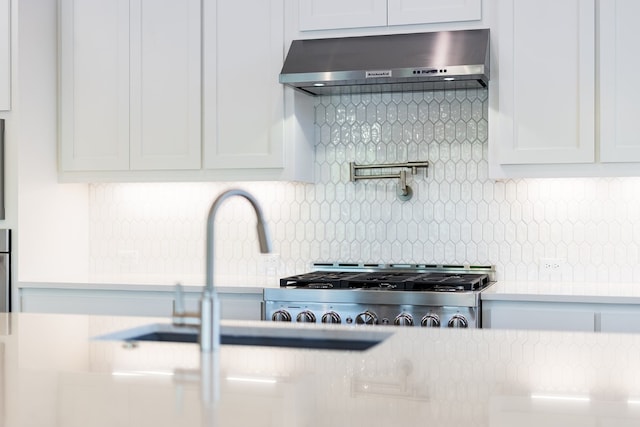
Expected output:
{"points": [[165, 84], [234, 306], [243, 100], [332, 14], [403, 12], [546, 118], [94, 84], [619, 321], [5, 54], [619, 108], [130, 85], [539, 318]]}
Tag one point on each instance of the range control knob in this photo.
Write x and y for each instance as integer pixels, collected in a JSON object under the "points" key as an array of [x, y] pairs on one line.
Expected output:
{"points": [[403, 319], [281, 316], [331, 317], [458, 321], [367, 318], [306, 317], [430, 321]]}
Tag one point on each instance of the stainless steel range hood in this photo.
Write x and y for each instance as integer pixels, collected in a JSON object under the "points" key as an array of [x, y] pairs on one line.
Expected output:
{"points": [[389, 63]]}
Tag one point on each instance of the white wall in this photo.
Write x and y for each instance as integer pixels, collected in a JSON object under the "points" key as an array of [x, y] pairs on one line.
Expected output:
{"points": [[52, 236]]}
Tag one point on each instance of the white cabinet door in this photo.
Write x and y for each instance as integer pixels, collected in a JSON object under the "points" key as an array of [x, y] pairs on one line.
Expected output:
{"points": [[333, 14], [165, 84], [243, 100], [5, 55], [613, 320], [546, 81], [233, 305], [130, 84], [94, 84], [550, 317], [618, 107], [403, 12]]}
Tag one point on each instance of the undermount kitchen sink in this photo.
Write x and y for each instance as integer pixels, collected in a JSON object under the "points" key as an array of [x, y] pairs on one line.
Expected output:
{"points": [[356, 338]]}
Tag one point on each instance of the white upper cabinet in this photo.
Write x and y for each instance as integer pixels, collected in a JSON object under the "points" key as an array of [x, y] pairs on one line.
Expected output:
{"points": [[556, 108], [130, 84], [177, 90], [243, 100], [403, 12], [546, 82], [94, 85], [334, 14], [5, 55], [618, 68], [165, 84], [331, 14]]}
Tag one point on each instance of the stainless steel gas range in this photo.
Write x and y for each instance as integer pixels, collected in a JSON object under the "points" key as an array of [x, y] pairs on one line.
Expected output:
{"points": [[387, 294]]}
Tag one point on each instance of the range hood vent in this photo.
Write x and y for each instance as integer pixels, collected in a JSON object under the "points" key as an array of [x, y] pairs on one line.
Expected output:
{"points": [[389, 63]]}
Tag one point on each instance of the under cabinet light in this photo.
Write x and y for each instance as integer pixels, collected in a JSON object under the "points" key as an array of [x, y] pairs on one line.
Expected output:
{"points": [[142, 374], [256, 380], [563, 397]]}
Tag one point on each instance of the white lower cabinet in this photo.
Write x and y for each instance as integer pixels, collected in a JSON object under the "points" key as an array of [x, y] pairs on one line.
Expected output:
{"points": [[536, 316], [561, 316], [623, 320], [241, 305]]}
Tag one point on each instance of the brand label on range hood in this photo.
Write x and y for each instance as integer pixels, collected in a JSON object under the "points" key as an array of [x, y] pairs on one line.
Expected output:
{"points": [[378, 74]]}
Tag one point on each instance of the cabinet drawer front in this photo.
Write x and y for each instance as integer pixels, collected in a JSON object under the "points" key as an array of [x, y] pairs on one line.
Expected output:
{"points": [[548, 319]]}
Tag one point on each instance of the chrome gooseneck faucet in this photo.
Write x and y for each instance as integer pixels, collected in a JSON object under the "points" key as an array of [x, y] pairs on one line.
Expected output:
{"points": [[209, 316]]}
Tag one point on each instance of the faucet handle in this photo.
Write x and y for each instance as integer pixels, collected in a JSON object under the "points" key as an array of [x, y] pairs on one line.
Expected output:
{"points": [[180, 316]]}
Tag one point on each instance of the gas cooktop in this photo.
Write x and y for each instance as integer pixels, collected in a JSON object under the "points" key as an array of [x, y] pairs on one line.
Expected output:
{"points": [[391, 277], [387, 294]]}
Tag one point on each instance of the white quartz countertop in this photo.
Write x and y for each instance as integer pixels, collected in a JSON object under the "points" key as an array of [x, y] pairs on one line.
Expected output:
{"points": [[246, 287], [54, 374], [554, 291]]}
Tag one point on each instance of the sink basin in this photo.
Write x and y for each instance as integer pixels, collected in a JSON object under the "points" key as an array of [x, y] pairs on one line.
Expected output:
{"points": [[357, 338]]}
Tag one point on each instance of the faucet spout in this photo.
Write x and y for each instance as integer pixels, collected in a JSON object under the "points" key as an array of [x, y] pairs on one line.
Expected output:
{"points": [[209, 303]]}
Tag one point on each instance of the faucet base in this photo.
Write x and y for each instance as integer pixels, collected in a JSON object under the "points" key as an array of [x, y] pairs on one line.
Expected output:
{"points": [[209, 321]]}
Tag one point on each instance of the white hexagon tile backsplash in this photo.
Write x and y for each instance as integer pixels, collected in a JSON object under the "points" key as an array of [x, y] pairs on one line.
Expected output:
{"points": [[155, 232]]}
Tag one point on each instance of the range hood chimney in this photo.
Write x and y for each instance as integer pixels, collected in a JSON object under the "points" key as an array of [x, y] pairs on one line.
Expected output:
{"points": [[389, 63]]}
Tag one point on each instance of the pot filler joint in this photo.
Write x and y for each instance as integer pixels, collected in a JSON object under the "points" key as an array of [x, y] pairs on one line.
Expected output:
{"points": [[404, 192]]}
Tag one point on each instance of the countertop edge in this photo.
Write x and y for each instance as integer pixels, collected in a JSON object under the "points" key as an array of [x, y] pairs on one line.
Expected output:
{"points": [[563, 292], [126, 287]]}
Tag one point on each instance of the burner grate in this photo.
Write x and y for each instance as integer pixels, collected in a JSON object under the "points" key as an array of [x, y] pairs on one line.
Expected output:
{"points": [[448, 282], [318, 280], [388, 280]]}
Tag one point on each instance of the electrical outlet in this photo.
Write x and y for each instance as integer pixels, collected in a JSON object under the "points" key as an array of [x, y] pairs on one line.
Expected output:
{"points": [[271, 263], [551, 265]]}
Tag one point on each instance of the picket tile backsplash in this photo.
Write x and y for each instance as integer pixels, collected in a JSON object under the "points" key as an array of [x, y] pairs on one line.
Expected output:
{"points": [[155, 232]]}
